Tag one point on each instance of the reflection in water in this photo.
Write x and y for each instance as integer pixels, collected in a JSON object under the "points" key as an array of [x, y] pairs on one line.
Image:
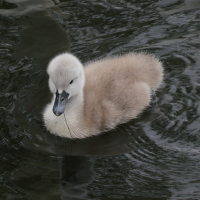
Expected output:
{"points": [[41, 38], [55, 178], [139, 160], [77, 173]]}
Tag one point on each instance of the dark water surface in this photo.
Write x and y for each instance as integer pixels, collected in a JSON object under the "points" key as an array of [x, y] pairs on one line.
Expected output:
{"points": [[139, 160]]}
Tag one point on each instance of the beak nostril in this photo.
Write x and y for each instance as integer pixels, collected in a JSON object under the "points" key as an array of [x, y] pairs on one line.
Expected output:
{"points": [[57, 113]]}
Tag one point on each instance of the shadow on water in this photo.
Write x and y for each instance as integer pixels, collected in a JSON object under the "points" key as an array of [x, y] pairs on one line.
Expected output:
{"points": [[138, 160]]}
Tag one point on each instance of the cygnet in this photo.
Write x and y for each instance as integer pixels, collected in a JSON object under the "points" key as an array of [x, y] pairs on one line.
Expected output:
{"points": [[95, 98]]}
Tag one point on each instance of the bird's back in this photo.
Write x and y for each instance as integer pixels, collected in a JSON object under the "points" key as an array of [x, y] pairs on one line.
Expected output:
{"points": [[115, 86], [132, 66]]}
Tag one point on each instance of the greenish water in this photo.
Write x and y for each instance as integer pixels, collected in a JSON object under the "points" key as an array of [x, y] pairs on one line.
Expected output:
{"points": [[139, 160]]}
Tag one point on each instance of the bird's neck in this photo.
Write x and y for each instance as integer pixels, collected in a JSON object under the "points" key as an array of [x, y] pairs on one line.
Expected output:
{"points": [[73, 115], [74, 107]]}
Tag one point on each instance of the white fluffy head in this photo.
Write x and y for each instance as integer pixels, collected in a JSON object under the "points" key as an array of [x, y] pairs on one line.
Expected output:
{"points": [[66, 73]]}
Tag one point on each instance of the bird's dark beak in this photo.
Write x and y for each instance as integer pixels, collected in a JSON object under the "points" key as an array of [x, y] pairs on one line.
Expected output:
{"points": [[60, 103]]}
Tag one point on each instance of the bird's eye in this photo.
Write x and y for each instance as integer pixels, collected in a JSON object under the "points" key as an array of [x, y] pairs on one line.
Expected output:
{"points": [[71, 81]]}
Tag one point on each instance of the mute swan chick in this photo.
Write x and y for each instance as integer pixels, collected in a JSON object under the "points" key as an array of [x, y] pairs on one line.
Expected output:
{"points": [[87, 101]]}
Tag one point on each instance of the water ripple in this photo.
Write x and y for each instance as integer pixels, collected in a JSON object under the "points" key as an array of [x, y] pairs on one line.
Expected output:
{"points": [[142, 159]]}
